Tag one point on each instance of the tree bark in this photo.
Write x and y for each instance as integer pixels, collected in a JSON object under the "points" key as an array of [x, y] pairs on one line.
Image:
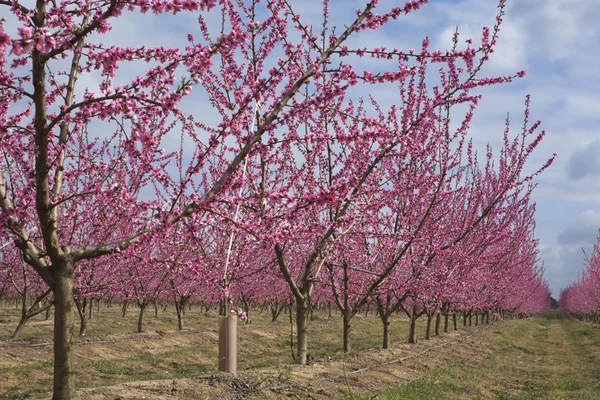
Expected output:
{"points": [[454, 321], [346, 321], [446, 317], [178, 306], [386, 330], [428, 331], [438, 320], [413, 326], [81, 311], [63, 386], [302, 330], [140, 325]]}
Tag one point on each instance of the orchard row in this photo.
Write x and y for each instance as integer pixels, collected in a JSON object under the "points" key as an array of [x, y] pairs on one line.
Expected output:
{"points": [[582, 298], [270, 157]]}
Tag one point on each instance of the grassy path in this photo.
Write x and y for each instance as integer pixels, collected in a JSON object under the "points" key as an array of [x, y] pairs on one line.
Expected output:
{"points": [[548, 357]]}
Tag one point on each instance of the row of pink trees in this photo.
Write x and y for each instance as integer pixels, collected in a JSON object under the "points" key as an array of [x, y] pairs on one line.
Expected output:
{"points": [[285, 165], [582, 298]]}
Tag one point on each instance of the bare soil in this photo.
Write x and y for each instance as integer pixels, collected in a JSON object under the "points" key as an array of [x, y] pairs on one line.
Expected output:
{"points": [[162, 363]]}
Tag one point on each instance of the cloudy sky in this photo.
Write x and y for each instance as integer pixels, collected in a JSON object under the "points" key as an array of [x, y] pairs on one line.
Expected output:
{"points": [[555, 41], [558, 43]]}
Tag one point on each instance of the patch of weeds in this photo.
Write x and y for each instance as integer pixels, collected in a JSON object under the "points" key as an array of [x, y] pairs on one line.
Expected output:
{"points": [[24, 395], [112, 367], [570, 384], [427, 388], [523, 349]]}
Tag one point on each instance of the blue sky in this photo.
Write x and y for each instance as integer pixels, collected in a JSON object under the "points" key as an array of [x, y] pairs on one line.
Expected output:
{"points": [[557, 42]]}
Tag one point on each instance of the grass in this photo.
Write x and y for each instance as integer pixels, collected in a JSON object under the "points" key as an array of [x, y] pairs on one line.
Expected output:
{"points": [[547, 357], [142, 357]]}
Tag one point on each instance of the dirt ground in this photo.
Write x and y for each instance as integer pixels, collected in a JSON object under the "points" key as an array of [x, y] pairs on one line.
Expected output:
{"points": [[114, 363], [365, 372]]}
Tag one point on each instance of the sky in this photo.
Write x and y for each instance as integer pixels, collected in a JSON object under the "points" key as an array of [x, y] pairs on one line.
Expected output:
{"points": [[557, 42]]}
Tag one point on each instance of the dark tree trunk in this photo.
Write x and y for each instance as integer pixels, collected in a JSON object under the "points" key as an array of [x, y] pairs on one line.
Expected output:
{"points": [[413, 325], [428, 331], [124, 308], [140, 325], [302, 309], [81, 305], [24, 317], [246, 306], [454, 321], [276, 309], [63, 385], [346, 322], [386, 330], [446, 317], [178, 308]]}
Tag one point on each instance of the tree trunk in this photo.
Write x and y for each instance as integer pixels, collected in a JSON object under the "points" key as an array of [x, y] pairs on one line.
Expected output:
{"points": [[276, 309], [24, 318], [246, 307], [156, 309], [20, 326], [91, 304], [470, 319], [329, 310], [476, 318], [140, 325], [428, 331], [413, 326], [302, 330], [487, 317], [346, 322], [178, 306], [63, 386], [81, 311], [385, 320], [446, 317], [124, 308], [454, 321], [464, 318]]}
